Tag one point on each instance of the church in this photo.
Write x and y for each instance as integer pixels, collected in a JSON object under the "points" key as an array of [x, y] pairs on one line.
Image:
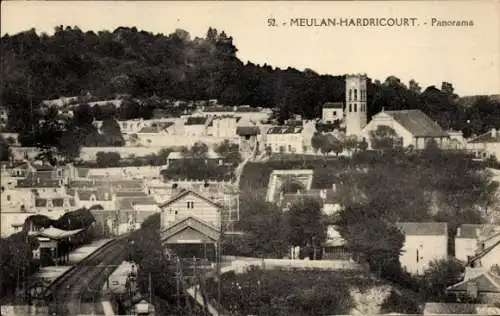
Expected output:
{"points": [[413, 127]]}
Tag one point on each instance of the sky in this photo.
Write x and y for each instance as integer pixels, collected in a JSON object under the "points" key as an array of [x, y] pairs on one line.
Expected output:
{"points": [[467, 56]]}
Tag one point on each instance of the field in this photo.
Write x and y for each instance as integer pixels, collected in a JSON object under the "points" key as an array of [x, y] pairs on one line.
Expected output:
{"points": [[276, 292]]}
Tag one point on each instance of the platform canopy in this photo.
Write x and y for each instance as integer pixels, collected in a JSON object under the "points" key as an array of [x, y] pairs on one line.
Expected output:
{"points": [[56, 233]]}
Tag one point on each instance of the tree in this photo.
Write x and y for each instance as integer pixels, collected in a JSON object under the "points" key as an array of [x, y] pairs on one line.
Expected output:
{"points": [[199, 150], [439, 276], [107, 159], [5, 152], [351, 143], [229, 151], [307, 227], [317, 141], [112, 133], [370, 237], [264, 228], [384, 138]]}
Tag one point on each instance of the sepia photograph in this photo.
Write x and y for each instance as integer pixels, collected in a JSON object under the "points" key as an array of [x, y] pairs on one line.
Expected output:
{"points": [[250, 158]]}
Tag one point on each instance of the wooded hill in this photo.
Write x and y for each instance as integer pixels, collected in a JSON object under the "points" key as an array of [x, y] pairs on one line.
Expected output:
{"points": [[72, 62]]}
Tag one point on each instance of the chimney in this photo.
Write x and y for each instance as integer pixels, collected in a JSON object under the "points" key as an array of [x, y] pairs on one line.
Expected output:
{"points": [[494, 132], [458, 232], [334, 187]]}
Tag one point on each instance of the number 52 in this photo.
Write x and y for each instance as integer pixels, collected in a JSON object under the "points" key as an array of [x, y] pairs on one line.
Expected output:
{"points": [[271, 22]]}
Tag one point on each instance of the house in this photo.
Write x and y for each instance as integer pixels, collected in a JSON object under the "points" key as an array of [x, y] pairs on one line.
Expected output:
{"points": [[332, 111], [196, 126], [246, 112], [223, 126], [54, 206], [469, 238], [211, 156], [89, 198], [41, 185], [155, 135], [424, 242], [290, 138], [486, 145], [483, 287], [189, 203], [12, 220], [412, 126], [15, 199]]}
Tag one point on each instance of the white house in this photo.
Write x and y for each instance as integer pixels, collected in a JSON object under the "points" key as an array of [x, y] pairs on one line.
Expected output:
{"points": [[196, 126], [486, 145], [469, 239], [412, 126], [89, 198], [189, 203], [12, 221], [223, 126], [332, 111], [294, 139], [424, 242]]}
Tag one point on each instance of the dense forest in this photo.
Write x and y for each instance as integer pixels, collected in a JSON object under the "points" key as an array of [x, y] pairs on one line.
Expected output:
{"points": [[142, 64]]}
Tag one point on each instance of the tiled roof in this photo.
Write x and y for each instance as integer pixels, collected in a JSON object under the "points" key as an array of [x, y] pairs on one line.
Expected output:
{"points": [[327, 127], [187, 192], [196, 120], [120, 194], [100, 194], [471, 230], [38, 183], [247, 130], [285, 130], [129, 202], [486, 282], [333, 105], [487, 138], [209, 109], [417, 123], [423, 229], [247, 109], [191, 222]]}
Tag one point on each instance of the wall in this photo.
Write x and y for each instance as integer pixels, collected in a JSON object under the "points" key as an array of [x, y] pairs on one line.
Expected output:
{"points": [[9, 218], [429, 248], [203, 210], [491, 258], [465, 247]]}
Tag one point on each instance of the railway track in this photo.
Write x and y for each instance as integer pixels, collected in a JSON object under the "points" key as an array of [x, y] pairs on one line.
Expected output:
{"points": [[77, 291]]}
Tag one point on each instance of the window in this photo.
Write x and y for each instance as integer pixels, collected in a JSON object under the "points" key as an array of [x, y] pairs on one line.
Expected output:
{"points": [[350, 94], [190, 204], [350, 107], [8, 197], [334, 113], [355, 108], [355, 94], [174, 186]]}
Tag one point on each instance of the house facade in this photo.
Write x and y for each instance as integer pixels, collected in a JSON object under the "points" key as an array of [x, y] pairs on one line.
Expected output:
{"points": [[469, 240], [332, 111], [487, 145], [292, 139], [424, 242], [189, 203]]}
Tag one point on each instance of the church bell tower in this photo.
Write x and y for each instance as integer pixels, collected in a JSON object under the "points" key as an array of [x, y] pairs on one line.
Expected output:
{"points": [[355, 104]]}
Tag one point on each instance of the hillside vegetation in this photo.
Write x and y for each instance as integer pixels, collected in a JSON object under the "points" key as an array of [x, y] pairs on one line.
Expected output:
{"points": [[142, 64]]}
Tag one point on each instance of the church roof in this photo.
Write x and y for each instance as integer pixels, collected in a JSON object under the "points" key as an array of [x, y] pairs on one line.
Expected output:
{"points": [[417, 123]]}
